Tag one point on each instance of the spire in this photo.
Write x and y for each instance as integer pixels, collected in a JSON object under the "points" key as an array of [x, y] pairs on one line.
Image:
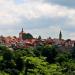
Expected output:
{"points": [[22, 29], [60, 35]]}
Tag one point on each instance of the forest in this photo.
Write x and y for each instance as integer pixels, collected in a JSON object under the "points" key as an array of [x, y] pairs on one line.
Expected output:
{"points": [[40, 60]]}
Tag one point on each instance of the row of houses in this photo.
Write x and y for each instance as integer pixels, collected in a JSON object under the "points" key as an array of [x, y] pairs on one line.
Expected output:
{"points": [[14, 41], [26, 40]]}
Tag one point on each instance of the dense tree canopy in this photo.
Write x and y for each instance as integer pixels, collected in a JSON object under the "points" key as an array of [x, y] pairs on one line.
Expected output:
{"points": [[41, 60]]}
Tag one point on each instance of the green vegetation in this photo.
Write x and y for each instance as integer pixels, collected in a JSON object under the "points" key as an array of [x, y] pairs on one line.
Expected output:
{"points": [[27, 36], [42, 60]]}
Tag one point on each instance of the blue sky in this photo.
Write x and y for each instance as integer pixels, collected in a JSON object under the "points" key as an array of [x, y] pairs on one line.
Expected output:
{"points": [[38, 17]]}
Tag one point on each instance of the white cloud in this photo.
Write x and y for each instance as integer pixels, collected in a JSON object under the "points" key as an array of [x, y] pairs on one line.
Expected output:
{"points": [[12, 13]]}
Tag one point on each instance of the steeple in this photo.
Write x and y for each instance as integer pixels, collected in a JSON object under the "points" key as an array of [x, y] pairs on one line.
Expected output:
{"points": [[22, 30], [60, 35]]}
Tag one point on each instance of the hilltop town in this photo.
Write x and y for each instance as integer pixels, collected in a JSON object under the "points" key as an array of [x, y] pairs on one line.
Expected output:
{"points": [[26, 40]]}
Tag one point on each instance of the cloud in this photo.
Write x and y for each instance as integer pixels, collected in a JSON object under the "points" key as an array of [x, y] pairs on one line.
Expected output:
{"points": [[69, 3], [36, 14], [11, 13]]}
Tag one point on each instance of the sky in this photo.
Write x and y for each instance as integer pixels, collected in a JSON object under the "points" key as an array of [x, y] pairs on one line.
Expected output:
{"points": [[38, 17]]}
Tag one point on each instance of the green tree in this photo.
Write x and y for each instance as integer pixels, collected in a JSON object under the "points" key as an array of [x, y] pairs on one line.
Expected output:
{"points": [[63, 57], [49, 52], [27, 36], [68, 67], [19, 64], [37, 66]]}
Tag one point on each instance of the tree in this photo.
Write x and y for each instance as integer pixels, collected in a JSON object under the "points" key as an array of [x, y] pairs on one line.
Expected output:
{"points": [[27, 36], [37, 66], [49, 52], [39, 38], [19, 64], [63, 57], [68, 67], [73, 52]]}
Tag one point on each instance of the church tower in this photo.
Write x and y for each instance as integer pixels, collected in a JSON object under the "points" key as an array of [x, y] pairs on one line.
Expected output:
{"points": [[22, 30], [60, 35], [21, 34]]}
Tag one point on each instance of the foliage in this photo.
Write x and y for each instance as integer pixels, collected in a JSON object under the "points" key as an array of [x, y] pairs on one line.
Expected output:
{"points": [[36, 66], [27, 36], [41, 60]]}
